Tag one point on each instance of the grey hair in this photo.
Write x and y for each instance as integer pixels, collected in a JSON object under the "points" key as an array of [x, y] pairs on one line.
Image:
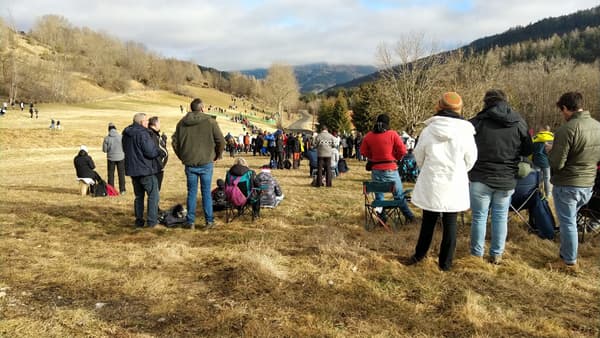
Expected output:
{"points": [[139, 117], [240, 161]]}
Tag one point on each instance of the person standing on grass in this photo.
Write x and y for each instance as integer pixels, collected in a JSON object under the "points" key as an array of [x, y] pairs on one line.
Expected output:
{"points": [[115, 157], [161, 142], [502, 140], [445, 153], [324, 143], [198, 142], [142, 165], [573, 158]]}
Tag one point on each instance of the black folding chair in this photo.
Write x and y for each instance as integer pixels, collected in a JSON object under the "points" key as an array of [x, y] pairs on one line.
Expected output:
{"points": [[588, 218]]}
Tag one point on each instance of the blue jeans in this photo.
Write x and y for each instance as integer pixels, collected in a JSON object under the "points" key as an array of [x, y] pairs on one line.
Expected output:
{"points": [[482, 199], [392, 176], [545, 176], [141, 186], [567, 200], [204, 172]]}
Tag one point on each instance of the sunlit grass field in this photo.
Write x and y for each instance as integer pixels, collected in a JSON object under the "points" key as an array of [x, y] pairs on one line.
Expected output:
{"points": [[73, 266]]}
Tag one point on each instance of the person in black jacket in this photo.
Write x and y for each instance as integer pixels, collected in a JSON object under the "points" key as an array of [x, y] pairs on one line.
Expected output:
{"points": [[84, 165], [142, 164], [161, 142], [279, 149], [502, 140]]}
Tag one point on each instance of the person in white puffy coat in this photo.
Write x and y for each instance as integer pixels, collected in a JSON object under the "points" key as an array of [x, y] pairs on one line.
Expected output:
{"points": [[445, 152]]}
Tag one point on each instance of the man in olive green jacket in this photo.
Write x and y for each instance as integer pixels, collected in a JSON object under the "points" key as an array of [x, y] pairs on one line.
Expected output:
{"points": [[573, 159], [198, 142]]}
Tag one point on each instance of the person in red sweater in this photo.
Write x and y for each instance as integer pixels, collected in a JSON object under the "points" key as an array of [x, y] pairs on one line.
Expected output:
{"points": [[384, 148]]}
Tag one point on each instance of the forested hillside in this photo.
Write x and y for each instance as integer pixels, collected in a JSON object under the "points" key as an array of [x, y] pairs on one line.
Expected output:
{"points": [[575, 36]]}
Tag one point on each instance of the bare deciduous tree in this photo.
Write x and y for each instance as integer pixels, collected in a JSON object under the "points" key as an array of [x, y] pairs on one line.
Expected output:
{"points": [[407, 85], [281, 87]]}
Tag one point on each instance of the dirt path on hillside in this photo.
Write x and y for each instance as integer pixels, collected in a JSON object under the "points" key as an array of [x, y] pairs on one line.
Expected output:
{"points": [[305, 122]]}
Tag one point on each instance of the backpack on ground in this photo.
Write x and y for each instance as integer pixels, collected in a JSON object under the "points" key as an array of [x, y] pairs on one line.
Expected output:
{"points": [[287, 164], [173, 217], [233, 193], [111, 191], [100, 188], [542, 219]]}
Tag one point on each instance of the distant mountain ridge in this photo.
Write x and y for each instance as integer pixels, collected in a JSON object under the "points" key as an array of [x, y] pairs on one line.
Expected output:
{"points": [[544, 29], [316, 77]]}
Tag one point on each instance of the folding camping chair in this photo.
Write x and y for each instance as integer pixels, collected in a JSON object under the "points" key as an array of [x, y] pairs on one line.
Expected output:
{"points": [[588, 218], [252, 198], [526, 193], [374, 209]]}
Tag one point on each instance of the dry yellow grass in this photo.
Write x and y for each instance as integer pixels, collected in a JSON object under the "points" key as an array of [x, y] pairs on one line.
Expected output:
{"points": [[73, 266]]}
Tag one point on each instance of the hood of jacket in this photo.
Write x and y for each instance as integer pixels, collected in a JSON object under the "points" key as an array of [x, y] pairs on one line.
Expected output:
{"points": [[195, 117], [134, 130], [501, 113], [113, 133], [444, 125], [543, 136]]}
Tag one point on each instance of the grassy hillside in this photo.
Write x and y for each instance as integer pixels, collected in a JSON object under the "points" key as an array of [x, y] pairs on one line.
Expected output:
{"points": [[73, 266]]}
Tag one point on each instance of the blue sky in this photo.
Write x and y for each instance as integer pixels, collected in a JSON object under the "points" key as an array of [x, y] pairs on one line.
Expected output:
{"points": [[243, 34]]}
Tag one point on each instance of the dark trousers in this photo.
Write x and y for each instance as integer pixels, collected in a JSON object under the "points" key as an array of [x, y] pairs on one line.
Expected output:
{"points": [[279, 155], [145, 185], [120, 171], [324, 163], [448, 245]]}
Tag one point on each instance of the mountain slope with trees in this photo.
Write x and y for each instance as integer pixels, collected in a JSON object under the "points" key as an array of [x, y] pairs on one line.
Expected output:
{"points": [[575, 35], [316, 77]]}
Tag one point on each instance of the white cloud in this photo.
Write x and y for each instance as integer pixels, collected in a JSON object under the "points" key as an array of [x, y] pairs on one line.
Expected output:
{"points": [[242, 34]]}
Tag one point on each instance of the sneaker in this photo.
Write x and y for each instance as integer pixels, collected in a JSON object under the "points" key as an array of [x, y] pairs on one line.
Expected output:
{"points": [[496, 260], [209, 225], [122, 192], [189, 226]]}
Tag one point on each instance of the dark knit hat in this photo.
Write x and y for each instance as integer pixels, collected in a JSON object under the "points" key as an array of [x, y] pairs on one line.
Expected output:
{"points": [[382, 123], [493, 96], [450, 101], [383, 118]]}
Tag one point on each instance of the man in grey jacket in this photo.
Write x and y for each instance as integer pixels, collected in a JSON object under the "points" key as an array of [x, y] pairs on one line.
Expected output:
{"points": [[115, 157], [573, 157], [324, 142]]}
